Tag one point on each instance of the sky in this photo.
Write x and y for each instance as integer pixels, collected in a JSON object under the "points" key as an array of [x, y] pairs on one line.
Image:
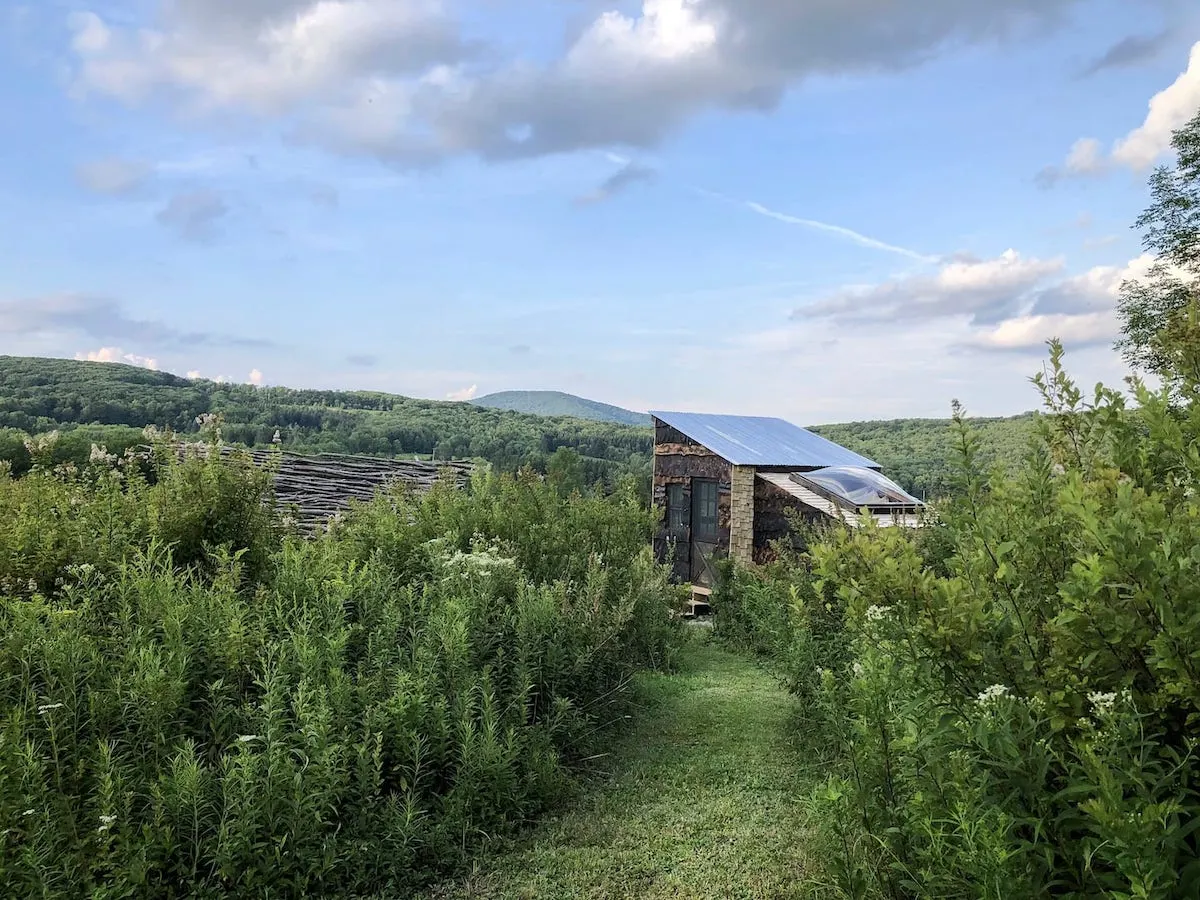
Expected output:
{"points": [[825, 210]]}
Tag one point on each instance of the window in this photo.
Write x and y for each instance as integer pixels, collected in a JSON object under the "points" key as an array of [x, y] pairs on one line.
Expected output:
{"points": [[704, 510], [862, 487], [677, 511]]}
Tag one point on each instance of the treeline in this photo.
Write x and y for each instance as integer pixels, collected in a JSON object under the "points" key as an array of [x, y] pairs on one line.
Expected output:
{"points": [[81, 398], [40, 395]]}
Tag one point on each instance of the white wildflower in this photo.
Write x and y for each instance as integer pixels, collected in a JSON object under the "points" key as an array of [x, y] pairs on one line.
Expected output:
{"points": [[32, 586], [28, 812], [247, 738], [876, 613], [106, 822], [858, 670], [995, 692], [1103, 702], [49, 707], [101, 456]]}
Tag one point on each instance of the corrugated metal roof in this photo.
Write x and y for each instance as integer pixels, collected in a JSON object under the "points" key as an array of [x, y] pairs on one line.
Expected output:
{"points": [[759, 441], [784, 482]]}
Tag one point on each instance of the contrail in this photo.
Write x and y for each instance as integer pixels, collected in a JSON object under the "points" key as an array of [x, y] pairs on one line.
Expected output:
{"points": [[849, 233]]}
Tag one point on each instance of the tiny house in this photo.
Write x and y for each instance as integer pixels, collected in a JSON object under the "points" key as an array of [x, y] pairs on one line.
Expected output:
{"points": [[726, 485]]}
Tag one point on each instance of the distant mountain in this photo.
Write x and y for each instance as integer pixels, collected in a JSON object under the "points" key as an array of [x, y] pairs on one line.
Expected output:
{"points": [[556, 403]]}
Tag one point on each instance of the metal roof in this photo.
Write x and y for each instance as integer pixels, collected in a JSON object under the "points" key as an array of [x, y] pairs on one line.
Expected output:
{"points": [[759, 441]]}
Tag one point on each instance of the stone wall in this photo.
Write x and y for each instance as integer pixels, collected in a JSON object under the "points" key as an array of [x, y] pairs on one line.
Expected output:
{"points": [[678, 460], [741, 514]]}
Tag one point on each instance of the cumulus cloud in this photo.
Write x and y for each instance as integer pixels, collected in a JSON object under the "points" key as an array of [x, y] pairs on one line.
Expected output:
{"points": [[1032, 332], [113, 176], [1169, 110], [193, 215], [397, 79], [982, 290], [464, 395], [1009, 303], [255, 377], [102, 319], [1080, 311], [117, 355]]}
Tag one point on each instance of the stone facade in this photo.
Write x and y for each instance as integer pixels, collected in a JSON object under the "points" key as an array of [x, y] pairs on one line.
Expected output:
{"points": [[678, 460], [741, 514]]}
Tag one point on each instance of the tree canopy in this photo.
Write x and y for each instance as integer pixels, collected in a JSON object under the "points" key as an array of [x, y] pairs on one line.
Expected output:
{"points": [[1160, 313]]}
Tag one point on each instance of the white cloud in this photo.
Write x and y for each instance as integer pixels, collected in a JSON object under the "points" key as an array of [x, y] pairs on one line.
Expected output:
{"points": [[255, 377], [1080, 311], [464, 395], [1170, 109], [1029, 332], [397, 78], [1085, 157], [194, 375], [981, 290], [117, 355]]}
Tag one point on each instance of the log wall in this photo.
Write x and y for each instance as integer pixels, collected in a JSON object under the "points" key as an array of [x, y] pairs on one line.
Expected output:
{"points": [[314, 489]]}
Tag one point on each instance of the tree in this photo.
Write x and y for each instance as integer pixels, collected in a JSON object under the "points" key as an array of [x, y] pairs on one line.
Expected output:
{"points": [[1158, 315]]}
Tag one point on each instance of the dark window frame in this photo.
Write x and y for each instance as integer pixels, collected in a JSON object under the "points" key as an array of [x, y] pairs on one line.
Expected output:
{"points": [[678, 512], [706, 517]]}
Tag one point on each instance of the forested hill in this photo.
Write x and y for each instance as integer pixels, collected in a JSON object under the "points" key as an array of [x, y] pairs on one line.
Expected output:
{"points": [[918, 453], [556, 403], [37, 395]]}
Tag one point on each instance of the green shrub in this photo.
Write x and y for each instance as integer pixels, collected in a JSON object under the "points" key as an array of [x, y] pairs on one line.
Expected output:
{"points": [[192, 704], [1016, 717]]}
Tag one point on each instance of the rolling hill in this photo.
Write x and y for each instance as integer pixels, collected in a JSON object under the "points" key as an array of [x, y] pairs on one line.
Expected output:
{"points": [[39, 395], [556, 403], [109, 403]]}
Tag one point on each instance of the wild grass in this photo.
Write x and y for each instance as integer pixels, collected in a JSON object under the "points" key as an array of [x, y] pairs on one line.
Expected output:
{"points": [[702, 798]]}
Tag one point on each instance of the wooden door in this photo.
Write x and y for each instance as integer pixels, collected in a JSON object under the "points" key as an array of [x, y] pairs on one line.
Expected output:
{"points": [[705, 529]]}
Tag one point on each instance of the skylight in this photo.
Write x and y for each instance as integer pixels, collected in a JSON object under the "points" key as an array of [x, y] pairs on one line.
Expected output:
{"points": [[859, 487]]}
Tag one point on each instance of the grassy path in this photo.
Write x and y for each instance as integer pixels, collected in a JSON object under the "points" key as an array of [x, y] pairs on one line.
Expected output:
{"points": [[703, 802]]}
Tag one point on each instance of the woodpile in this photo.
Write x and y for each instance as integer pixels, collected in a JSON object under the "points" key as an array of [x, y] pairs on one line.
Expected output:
{"points": [[314, 489]]}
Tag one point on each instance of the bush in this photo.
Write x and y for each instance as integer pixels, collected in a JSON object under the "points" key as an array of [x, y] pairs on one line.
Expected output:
{"points": [[1016, 717], [193, 704]]}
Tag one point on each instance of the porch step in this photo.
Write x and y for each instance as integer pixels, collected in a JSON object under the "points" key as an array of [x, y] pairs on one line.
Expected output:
{"points": [[700, 604]]}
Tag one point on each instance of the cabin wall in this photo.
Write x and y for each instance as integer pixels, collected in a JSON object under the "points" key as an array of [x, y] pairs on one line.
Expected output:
{"points": [[772, 508], [677, 460]]}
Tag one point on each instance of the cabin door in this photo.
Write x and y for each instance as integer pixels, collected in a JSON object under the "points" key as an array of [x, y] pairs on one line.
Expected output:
{"points": [[704, 530]]}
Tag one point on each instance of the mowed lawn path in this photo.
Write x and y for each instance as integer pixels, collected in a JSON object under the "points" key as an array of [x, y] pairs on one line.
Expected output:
{"points": [[704, 800]]}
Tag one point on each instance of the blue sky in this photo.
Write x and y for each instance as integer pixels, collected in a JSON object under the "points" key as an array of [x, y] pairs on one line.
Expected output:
{"points": [[820, 210]]}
